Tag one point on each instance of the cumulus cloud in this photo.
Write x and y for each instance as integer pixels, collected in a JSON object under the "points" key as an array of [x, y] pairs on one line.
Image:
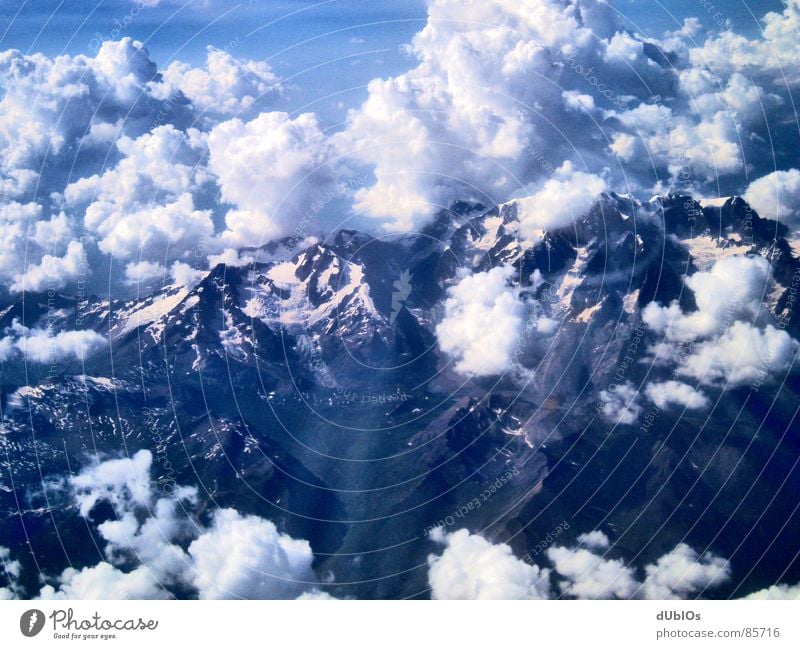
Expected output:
{"points": [[470, 567], [677, 574], [482, 322], [43, 346], [104, 581], [696, 132], [227, 85], [667, 393], [683, 572], [732, 288], [778, 591], [267, 168], [6, 348], [142, 272], [49, 104], [52, 272], [743, 354], [620, 405], [109, 136], [594, 540], [144, 207], [453, 127], [495, 90], [728, 350], [772, 55], [185, 275], [15, 221], [156, 543], [123, 482], [31, 257], [559, 202], [246, 557], [11, 569], [316, 594], [776, 196], [590, 576], [52, 233], [230, 257]]}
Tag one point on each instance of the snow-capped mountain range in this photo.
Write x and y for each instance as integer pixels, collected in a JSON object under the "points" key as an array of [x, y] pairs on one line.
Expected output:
{"points": [[314, 386]]}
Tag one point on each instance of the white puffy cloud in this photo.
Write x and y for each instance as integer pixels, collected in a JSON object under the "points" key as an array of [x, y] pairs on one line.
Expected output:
{"points": [[52, 233], [677, 574], [683, 572], [776, 196], [53, 115], [494, 81], [43, 346], [267, 168], [590, 576], [142, 272], [559, 202], [230, 257], [667, 393], [15, 222], [226, 85], [104, 581], [778, 591], [730, 90], [740, 96], [470, 567], [153, 542], [246, 557], [594, 540], [734, 99], [144, 208], [727, 351], [772, 55], [732, 288], [710, 145], [742, 354], [30, 247], [495, 89], [316, 594], [701, 131], [11, 569], [235, 556], [108, 134], [52, 272], [497, 85], [6, 348], [185, 275], [146, 527], [99, 582], [482, 322], [124, 482], [620, 405], [48, 104]]}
